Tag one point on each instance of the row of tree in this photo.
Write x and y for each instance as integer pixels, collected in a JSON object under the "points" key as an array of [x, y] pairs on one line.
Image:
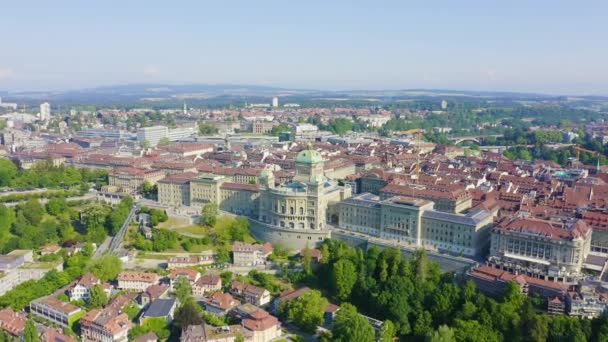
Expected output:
{"points": [[417, 302], [45, 175]]}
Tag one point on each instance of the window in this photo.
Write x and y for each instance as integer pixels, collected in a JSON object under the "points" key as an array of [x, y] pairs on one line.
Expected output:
{"points": [[282, 224], [301, 211]]}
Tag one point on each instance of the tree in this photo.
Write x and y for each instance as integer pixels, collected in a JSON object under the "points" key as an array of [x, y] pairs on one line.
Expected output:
{"points": [[209, 214], [388, 331], [307, 260], [30, 334], [189, 313], [7, 218], [206, 128], [442, 334], [56, 206], [107, 267], [32, 210], [344, 277], [307, 311], [350, 326], [8, 171], [422, 325], [183, 289], [97, 297], [164, 141]]}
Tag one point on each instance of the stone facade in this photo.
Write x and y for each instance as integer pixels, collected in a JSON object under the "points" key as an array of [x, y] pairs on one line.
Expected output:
{"points": [[539, 248], [415, 222]]}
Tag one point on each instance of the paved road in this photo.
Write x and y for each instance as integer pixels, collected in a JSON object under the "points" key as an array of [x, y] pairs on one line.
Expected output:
{"points": [[117, 239], [88, 196], [101, 249]]}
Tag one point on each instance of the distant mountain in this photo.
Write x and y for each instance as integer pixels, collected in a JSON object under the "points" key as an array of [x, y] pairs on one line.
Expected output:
{"points": [[222, 93]]}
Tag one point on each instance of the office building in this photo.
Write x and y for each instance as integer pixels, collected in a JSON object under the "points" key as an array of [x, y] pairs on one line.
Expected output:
{"points": [[45, 111], [275, 102], [548, 250]]}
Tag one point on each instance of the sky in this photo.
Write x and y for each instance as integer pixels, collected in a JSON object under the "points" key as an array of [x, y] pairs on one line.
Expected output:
{"points": [[553, 47]]}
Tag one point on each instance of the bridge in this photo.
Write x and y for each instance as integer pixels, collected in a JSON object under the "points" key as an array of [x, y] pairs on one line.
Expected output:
{"points": [[117, 239], [474, 138]]}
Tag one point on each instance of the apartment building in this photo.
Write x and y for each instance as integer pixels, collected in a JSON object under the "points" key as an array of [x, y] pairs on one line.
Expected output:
{"points": [[56, 311], [136, 281], [130, 179]]}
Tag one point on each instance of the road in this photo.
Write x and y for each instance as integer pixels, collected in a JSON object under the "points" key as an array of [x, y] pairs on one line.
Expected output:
{"points": [[87, 196], [117, 239]]}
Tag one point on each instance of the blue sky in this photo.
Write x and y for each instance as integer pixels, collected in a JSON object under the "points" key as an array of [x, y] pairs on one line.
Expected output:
{"points": [[555, 46]]}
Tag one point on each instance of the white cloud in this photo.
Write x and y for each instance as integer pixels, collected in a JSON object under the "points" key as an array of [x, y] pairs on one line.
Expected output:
{"points": [[6, 73]]}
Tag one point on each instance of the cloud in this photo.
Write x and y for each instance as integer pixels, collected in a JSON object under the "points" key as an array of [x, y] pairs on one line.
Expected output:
{"points": [[6, 73], [151, 71]]}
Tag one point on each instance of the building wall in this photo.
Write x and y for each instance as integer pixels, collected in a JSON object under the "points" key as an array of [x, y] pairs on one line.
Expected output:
{"points": [[174, 194], [240, 202], [556, 258]]}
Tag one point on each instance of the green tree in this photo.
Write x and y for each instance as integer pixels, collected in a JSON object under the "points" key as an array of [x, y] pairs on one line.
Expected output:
{"points": [[57, 206], [350, 326], [189, 313], [7, 218], [206, 128], [442, 334], [344, 277], [32, 210], [307, 311], [388, 331], [209, 214], [97, 297], [183, 289], [107, 267], [30, 334], [8, 171], [307, 260], [164, 141]]}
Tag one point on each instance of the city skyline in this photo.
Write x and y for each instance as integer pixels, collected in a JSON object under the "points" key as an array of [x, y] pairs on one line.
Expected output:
{"points": [[545, 47]]}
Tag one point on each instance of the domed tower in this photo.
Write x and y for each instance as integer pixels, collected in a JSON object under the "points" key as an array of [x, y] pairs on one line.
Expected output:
{"points": [[267, 178], [309, 167]]}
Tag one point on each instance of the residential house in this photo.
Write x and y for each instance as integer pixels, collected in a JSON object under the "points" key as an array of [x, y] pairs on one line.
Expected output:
{"points": [[188, 273], [148, 337], [220, 303], [138, 281], [80, 290], [54, 335], [152, 293], [50, 249], [245, 254], [160, 308], [107, 325], [13, 322], [208, 333], [263, 326], [205, 258], [208, 283], [255, 295]]}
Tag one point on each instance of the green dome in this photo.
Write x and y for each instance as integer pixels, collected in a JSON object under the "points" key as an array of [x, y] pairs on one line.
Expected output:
{"points": [[266, 173], [309, 157]]}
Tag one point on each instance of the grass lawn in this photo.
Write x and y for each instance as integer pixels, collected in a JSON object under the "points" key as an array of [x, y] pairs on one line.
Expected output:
{"points": [[194, 229], [175, 222]]}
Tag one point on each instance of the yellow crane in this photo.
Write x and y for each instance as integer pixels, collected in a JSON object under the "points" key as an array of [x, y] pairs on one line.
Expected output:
{"points": [[578, 149]]}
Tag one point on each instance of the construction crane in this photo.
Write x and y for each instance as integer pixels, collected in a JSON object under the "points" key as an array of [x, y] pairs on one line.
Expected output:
{"points": [[578, 149]]}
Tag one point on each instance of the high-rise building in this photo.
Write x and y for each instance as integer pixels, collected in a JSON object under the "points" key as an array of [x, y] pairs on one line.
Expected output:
{"points": [[275, 102], [152, 135], [45, 111]]}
